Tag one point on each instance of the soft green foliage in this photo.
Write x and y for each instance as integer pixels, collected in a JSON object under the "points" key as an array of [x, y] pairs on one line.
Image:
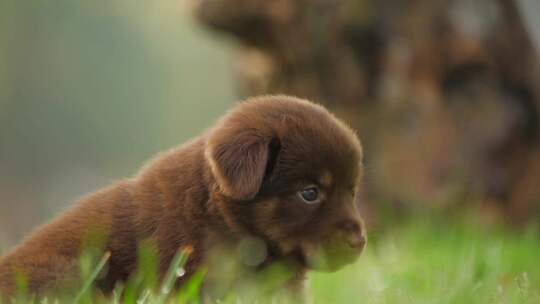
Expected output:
{"points": [[419, 261]]}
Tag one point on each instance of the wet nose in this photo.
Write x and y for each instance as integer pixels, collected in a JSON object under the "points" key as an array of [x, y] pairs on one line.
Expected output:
{"points": [[354, 235], [357, 241]]}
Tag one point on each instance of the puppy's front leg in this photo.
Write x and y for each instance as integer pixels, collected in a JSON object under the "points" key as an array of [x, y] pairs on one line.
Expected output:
{"points": [[295, 289]]}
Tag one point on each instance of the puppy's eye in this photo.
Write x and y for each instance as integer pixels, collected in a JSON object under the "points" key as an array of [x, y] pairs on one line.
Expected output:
{"points": [[309, 195]]}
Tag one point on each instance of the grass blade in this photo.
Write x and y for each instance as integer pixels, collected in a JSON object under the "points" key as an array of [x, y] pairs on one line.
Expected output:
{"points": [[88, 283], [177, 263]]}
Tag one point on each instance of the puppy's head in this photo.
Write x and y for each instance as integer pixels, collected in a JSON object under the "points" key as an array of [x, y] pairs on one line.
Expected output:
{"points": [[288, 171]]}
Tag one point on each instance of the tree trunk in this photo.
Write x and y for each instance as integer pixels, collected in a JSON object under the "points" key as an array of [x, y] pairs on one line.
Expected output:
{"points": [[444, 93]]}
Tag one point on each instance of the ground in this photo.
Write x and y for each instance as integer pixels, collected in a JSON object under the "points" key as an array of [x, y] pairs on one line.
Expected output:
{"points": [[422, 260]]}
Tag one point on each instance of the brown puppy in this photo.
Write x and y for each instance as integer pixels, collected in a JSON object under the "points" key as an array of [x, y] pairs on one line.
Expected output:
{"points": [[276, 176]]}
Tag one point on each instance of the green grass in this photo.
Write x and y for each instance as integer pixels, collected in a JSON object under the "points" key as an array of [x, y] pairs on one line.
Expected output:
{"points": [[420, 261], [428, 262]]}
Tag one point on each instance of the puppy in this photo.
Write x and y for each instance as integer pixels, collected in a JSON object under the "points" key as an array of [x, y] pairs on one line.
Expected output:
{"points": [[273, 182]]}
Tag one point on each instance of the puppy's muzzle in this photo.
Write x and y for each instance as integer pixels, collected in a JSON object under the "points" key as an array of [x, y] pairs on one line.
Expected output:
{"points": [[353, 233], [342, 248]]}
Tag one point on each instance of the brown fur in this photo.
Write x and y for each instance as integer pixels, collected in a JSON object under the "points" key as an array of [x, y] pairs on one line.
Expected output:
{"points": [[238, 181]]}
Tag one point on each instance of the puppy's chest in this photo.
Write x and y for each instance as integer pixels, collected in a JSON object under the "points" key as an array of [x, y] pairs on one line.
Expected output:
{"points": [[244, 266]]}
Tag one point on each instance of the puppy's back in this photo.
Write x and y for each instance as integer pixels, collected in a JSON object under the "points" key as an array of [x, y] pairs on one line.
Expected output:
{"points": [[49, 254], [113, 219]]}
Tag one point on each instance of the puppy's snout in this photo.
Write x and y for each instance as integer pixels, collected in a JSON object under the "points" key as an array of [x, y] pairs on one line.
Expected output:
{"points": [[353, 233], [357, 241]]}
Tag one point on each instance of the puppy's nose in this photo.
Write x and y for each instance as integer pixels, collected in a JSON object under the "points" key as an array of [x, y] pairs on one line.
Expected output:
{"points": [[357, 241], [354, 235]]}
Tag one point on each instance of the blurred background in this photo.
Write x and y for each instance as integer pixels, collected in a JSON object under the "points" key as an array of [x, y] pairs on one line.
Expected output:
{"points": [[445, 96], [89, 91]]}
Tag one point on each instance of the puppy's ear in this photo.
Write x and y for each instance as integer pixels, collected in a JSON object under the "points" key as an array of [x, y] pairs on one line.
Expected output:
{"points": [[241, 160]]}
